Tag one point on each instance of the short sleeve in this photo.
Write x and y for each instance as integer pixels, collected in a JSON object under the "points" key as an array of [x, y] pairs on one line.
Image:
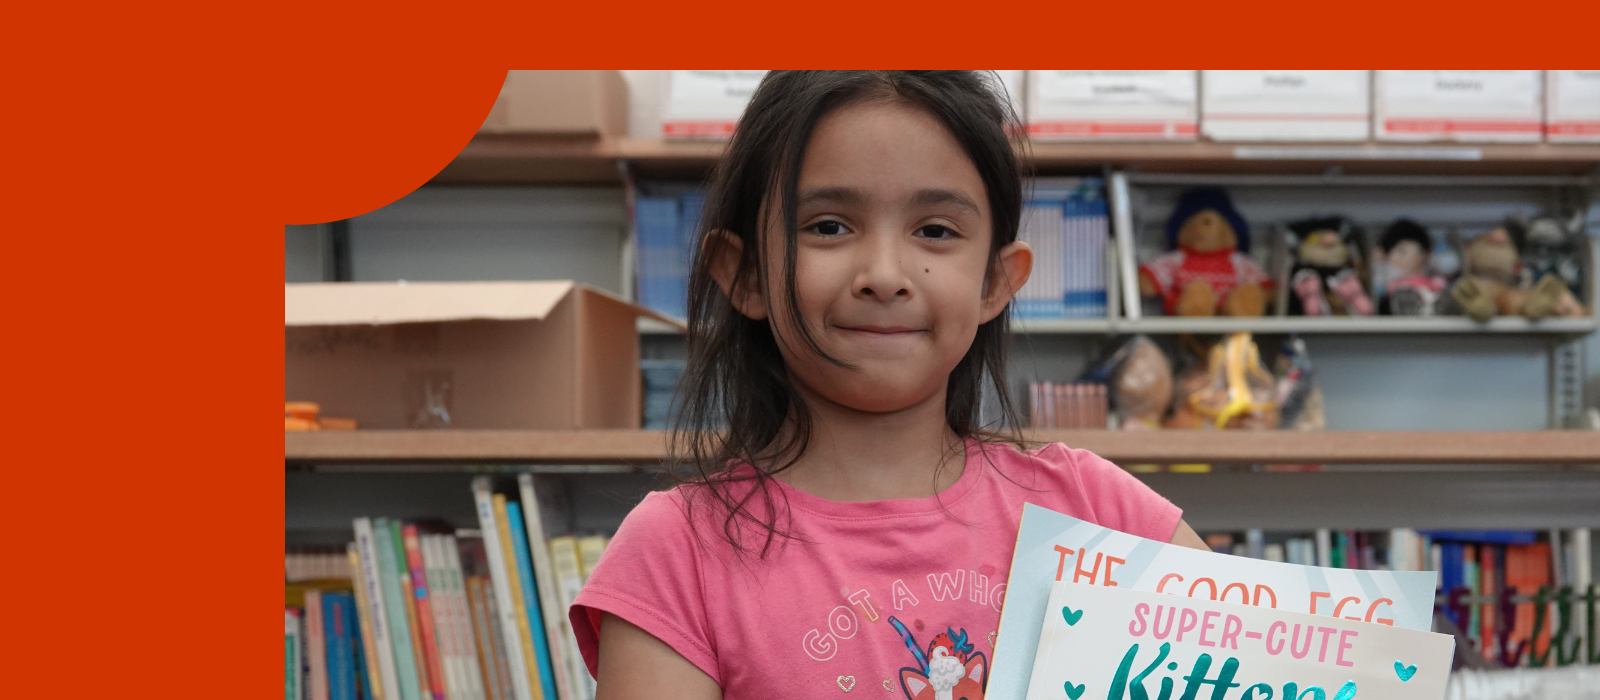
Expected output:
{"points": [[1120, 500], [649, 575]]}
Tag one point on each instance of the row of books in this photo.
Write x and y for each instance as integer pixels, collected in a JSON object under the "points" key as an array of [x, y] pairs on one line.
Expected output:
{"points": [[463, 615], [1080, 406], [1489, 581], [1236, 105], [665, 218]]}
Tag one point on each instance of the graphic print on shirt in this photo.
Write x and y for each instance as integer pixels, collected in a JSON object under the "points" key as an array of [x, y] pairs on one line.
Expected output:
{"points": [[950, 669]]}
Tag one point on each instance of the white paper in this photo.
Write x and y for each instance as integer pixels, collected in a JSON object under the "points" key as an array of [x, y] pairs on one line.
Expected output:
{"points": [[1464, 105], [1099, 642], [1298, 105], [1572, 107], [1112, 104], [706, 103]]}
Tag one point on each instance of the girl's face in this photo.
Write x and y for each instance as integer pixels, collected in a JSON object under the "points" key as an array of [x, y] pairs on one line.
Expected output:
{"points": [[892, 272]]}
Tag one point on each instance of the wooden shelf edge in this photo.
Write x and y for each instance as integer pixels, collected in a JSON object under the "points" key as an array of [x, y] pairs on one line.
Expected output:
{"points": [[647, 447]]}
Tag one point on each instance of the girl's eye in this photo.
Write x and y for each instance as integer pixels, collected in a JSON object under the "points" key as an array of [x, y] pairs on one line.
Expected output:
{"points": [[936, 232], [828, 228]]}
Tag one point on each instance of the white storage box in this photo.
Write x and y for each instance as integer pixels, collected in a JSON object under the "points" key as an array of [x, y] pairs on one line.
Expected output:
{"points": [[1285, 105], [1572, 105], [1112, 104], [1458, 105], [701, 104]]}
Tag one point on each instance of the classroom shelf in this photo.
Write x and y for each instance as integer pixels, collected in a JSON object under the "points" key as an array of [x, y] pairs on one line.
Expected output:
{"points": [[642, 447], [1329, 325], [545, 159]]}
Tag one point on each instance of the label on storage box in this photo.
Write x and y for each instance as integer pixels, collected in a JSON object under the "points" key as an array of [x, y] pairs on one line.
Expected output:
{"points": [[1298, 105], [1112, 104], [1572, 105], [1462, 105], [706, 103]]}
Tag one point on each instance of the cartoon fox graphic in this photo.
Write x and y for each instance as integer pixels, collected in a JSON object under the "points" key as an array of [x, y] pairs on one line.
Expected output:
{"points": [[949, 670]]}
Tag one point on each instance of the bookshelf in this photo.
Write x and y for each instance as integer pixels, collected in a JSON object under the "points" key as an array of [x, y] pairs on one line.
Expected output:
{"points": [[545, 159], [1555, 328], [452, 449]]}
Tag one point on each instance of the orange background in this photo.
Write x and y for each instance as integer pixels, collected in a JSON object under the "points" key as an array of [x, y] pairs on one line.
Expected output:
{"points": [[155, 152]]}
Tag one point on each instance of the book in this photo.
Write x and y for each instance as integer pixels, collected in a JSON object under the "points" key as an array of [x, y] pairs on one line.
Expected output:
{"points": [[589, 550], [372, 684], [394, 600], [531, 617], [443, 608], [426, 630], [569, 582], [466, 646], [503, 513], [343, 651], [293, 658], [555, 620], [505, 613], [316, 648], [481, 632], [383, 643]]}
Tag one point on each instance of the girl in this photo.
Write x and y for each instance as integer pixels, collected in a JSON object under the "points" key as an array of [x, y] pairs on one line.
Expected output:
{"points": [[852, 526]]}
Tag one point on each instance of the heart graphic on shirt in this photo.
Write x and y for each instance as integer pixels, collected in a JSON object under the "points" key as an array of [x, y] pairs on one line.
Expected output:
{"points": [[1074, 691], [888, 685], [847, 683], [1070, 615], [1404, 672]]}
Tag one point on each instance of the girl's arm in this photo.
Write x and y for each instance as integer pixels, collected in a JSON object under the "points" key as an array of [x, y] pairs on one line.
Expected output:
{"points": [[1185, 536], [634, 664]]}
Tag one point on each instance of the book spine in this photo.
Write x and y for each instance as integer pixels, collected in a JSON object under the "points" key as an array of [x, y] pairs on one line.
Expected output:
{"points": [[394, 599], [504, 513], [293, 676], [377, 615], [316, 647], [555, 619], [338, 630], [498, 573], [589, 550], [427, 627], [502, 654], [443, 626], [362, 614], [413, 623], [530, 621], [461, 617], [569, 580], [484, 643]]}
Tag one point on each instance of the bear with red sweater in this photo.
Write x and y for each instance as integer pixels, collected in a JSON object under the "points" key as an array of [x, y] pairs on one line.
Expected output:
{"points": [[1207, 273]]}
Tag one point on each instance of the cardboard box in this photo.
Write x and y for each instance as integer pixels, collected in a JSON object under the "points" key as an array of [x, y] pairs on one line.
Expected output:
{"points": [[1458, 105], [1285, 105], [561, 102], [480, 355], [1572, 105], [1112, 104], [701, 104]]}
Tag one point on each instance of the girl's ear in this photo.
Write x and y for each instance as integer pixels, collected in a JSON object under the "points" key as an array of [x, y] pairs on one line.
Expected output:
{"points": [[726, 251], [1011, 270]]}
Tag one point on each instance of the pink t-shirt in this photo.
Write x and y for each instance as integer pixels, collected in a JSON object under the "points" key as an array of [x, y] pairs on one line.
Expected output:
{"points": [[898, 597]]}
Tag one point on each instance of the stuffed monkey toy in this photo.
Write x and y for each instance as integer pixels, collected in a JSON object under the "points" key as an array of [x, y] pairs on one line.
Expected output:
{"points": [[1325, 281], [1207, 272]]}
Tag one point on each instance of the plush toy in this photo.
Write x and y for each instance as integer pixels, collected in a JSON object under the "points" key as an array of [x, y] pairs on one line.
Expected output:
{"points": [[1240, 393], [1325, 281], [1142, 385], [1207, 273], [1492, 281], [1553, 248], [1408, 286]]}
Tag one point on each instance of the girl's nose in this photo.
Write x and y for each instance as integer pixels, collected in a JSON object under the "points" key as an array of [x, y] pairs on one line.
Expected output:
{"points": [[881, 276]]}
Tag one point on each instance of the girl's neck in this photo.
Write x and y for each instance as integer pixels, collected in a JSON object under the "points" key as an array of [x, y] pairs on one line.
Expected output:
{"points": [[859, 456]]}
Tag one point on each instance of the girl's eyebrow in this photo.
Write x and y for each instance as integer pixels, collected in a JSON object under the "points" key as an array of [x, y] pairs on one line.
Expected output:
{"points": [[937, 196], [855, 197]]}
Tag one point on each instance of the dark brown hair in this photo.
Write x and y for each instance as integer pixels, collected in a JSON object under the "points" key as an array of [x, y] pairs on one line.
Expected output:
{"points": [[735, 396]]}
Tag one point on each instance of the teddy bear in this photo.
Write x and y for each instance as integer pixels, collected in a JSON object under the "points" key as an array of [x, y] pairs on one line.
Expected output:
{"points": [[1207, 271], [1409, 287], [1324, 280], [1492, 283]]}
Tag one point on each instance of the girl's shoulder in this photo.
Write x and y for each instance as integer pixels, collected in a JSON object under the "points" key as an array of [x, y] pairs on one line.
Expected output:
{"points": [[1085, 485]]}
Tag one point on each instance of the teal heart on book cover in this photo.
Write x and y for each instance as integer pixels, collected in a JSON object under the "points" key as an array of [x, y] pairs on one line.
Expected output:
{"points": [[1070, 615], [1404, 672], [1074, 691]]}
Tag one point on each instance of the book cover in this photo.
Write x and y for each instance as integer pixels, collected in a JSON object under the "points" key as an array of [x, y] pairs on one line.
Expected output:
{"points": [[465, 645], [383, 643], [519, 604], [394, 601], [1055, 547], [531, 619], [440, 605], [413, 623], [293, 677], [589, 550], [316, 648], [367, 667], [554, 614], [569, 582], [505, 614], [427, 627], [339, 633]]}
